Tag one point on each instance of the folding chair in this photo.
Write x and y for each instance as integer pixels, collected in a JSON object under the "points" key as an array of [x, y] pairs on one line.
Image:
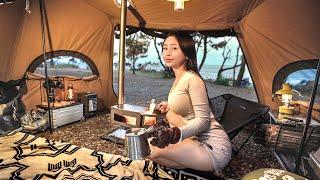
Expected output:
{"points": [[235, 113]]}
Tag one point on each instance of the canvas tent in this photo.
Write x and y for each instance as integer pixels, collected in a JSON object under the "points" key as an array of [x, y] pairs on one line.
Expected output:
{"points": [[272, 33]]}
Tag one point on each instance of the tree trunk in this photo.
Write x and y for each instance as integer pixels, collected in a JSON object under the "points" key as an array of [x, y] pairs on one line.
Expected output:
{"points": [[241, 73], [166, 69], [235, 65], [133, 67], [204, 52], [158, 53], [225, 58], [51, 63]]}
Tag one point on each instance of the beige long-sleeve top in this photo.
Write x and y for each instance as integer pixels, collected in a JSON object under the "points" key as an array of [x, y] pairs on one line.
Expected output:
{"points": [[188, 98]]}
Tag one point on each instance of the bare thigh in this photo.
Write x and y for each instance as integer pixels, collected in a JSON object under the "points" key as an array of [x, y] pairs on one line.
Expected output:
{"points": [[188, 153]]}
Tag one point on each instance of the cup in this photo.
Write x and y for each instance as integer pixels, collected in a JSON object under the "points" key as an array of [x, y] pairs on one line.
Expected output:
{"points": [[136, 143]]}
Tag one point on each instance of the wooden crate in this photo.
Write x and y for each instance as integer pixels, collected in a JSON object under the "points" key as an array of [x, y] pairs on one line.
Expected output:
{"points": [[287, 137]]}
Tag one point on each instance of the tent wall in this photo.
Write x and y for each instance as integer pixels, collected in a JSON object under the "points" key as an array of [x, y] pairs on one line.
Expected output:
{"points": [[275, 34], [11, 21], [74, 25]]}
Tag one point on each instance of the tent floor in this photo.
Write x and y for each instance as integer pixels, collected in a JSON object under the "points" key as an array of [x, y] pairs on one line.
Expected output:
{"points": [[287, 161], [87, 133]]}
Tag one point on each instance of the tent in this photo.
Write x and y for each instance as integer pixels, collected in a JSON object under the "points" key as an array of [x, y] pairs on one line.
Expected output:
{"points": [[272, 33]]}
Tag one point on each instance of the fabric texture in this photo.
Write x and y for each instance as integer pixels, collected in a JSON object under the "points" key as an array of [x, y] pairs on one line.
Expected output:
{"points": [[188, 99], [270, 173], [24, 156]]}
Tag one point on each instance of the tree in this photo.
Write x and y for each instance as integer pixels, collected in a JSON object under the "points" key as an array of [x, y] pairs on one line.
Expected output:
{"points": [[167, 71], [136, 47], [202, 40], [226, 54], [241, 73], [73, 61]]}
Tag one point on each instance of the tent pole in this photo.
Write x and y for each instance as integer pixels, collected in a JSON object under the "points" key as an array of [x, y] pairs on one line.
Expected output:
{"points": [[122, 51], [308, 119], [45, 62]]}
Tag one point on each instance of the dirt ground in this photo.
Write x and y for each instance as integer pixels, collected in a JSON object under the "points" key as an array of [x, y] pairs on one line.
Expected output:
{"points": [[139, 90]]}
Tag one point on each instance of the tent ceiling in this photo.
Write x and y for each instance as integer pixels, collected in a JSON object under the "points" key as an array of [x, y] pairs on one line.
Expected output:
{"points": [[198, 14]]}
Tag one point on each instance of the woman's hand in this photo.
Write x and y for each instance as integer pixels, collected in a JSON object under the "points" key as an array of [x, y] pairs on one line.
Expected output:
{"points": [[163, 136], [163, 107]]}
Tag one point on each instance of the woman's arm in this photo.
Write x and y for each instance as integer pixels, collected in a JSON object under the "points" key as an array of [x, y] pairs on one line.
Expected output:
{"points": [[174, 119], [200, 104]]}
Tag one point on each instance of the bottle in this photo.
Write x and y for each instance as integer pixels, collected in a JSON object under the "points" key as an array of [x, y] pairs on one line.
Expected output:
{"points": [[152, 106], [70, 92]]}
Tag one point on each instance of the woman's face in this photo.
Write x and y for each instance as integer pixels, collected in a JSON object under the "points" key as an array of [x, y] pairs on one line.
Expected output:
{"points": [[172, 54]]}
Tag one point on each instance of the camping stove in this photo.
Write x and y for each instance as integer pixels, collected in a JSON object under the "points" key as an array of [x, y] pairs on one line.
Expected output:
{"points": [[128, 115]]}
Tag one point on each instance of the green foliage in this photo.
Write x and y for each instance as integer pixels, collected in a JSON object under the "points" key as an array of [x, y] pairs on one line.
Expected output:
{"points": [[219, 45], [137, 47], [167, 74], [65, 66], [150, 73], [221, 80]]}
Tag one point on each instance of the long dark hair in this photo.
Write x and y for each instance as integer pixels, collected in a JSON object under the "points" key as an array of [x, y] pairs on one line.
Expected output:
{"points": [[187, 46]]}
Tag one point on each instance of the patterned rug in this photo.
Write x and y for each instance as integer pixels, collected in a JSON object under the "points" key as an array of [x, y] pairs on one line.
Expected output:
{"points": [[24, 156]]}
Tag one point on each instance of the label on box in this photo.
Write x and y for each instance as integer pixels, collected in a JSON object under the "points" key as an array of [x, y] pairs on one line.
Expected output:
{"points": [[90, 105]]}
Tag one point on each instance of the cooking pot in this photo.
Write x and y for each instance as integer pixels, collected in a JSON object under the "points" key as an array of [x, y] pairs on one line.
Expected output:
{"points": [[136, 143]]}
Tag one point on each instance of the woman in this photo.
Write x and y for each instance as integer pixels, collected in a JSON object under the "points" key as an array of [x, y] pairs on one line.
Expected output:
{"points": [[195, 139]]}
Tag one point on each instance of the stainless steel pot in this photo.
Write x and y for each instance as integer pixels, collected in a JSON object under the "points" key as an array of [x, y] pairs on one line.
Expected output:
{"points": [[136, 143]]}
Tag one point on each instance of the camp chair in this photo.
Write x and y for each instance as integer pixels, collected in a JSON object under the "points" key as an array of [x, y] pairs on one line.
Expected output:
{"points": [[235, 113]]}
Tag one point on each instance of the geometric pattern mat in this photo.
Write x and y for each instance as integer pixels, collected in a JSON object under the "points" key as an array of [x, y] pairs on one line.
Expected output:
{"points": [[24, 156]]}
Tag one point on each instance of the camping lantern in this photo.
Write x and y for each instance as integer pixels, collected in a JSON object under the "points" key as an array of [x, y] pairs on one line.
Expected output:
{"points": [[178, 4], [70, 92], [286, 99]]}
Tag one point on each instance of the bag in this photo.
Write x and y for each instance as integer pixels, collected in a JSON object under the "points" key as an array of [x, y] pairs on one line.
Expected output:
{"points": [[11, 106], [35, 121], [8, 117]]}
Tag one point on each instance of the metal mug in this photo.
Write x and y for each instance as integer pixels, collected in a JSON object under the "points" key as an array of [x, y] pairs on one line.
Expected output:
{"points": [[136, 143]]}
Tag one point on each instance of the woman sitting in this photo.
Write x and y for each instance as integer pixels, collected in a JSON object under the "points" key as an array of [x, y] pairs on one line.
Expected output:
{"points": [[195, 139]]}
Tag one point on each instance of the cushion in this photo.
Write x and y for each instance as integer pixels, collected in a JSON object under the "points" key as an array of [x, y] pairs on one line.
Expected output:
{"points": [[269, 173]]}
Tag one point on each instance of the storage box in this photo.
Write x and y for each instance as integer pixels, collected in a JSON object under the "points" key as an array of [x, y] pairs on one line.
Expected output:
{"points": [[90, 103], [303, 106], [128, 115], [287, 137], [67, 114]]}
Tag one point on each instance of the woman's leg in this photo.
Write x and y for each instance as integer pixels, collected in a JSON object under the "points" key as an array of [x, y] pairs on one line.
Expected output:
{"points": [[188, 153], [168, 163]]}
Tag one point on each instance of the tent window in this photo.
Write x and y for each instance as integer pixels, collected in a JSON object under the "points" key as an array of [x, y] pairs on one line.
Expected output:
{"points": [[64, 63], [300, 74], [220, 61]]}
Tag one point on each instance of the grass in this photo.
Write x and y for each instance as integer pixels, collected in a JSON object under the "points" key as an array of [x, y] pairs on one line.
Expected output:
{"points": [[151, 74]]}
